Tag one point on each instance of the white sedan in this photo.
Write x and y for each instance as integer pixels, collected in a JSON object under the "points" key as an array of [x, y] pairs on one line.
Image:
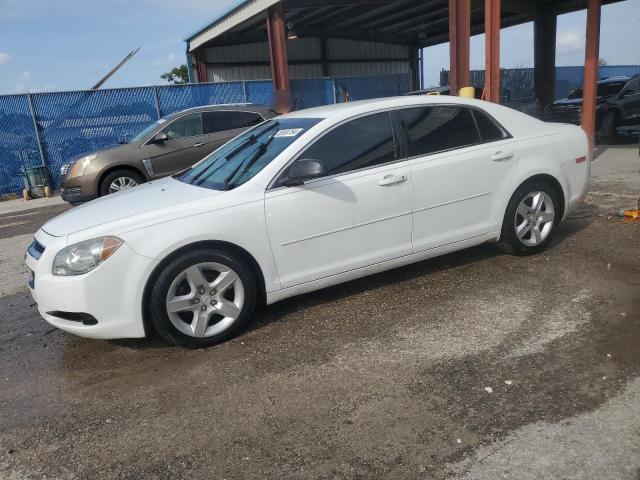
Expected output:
{"points": [[300, 202]]}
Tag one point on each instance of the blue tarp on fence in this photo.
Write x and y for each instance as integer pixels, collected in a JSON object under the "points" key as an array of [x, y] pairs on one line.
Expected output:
{"points": [[516, 84], [72, 123]]}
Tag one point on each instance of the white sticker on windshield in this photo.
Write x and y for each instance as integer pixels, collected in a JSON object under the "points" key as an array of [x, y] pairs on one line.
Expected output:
{"points": [[288, 132]]}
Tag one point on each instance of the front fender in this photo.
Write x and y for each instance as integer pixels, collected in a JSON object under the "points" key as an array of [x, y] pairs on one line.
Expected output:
{"points": [[243, 226]]}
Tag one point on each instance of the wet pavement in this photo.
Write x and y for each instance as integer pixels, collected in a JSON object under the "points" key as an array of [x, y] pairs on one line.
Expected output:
{"points": [[472, 365]]}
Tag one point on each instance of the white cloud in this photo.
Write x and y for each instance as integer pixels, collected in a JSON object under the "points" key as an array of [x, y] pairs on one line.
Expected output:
{"points": [[26, 75], [569, 41], [169, 59], [4, 58]]}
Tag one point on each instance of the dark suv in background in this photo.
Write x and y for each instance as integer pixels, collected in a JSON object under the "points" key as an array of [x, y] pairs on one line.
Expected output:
{"points": [[617, 100], [165, 147]]}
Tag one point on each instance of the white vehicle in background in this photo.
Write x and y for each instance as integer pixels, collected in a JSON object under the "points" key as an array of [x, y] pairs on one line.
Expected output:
{"points": [[310, 199]]}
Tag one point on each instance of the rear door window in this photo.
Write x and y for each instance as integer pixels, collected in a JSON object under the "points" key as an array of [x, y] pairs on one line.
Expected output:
{"points": [[223, 120], [490, 131], [436, 128]]}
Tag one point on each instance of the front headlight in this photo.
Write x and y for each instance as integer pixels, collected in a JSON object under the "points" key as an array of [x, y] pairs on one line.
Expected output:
{"points": [[79, 167], [84, 256]]}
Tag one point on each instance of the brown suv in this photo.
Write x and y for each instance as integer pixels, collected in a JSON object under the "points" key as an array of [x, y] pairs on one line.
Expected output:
{"points": [[170, 145]]}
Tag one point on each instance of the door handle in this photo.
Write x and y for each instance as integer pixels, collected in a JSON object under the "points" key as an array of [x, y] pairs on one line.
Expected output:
{"points": [[392, 180], [501, 156], [199, 144]]}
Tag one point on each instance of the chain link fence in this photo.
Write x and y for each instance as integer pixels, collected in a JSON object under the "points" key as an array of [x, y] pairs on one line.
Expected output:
{"points": [[516, 84], [51, 128]]}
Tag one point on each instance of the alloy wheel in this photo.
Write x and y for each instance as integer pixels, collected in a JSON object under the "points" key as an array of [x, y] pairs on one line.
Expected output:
{"points": [[534, 218], [121, 183], [205, 299]]}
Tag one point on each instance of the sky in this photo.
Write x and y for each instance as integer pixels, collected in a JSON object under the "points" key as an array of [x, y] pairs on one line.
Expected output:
{"points": [[48, 45]]}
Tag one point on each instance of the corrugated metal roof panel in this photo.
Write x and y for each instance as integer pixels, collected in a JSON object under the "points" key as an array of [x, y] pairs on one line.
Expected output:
{"points": [[340, 48]]}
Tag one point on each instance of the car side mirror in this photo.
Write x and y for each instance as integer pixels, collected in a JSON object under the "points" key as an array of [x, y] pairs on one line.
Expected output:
{"points": [[160, 137], [627, 93], [304, 169]]}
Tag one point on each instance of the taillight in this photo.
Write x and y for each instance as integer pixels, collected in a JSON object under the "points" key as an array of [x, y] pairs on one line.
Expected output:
{"points": [[581, 159]]}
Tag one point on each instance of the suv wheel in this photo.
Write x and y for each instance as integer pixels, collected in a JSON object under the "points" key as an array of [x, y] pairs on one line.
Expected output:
{"points": [[202, 298], [119, 180]]}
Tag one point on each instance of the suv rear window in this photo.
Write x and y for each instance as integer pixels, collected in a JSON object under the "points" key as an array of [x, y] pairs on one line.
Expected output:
{"points": [[223, 120]]}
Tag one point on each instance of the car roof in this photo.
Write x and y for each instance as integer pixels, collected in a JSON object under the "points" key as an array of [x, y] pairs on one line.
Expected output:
{"points": [[235, 107], [364, 106], [621, 78]]}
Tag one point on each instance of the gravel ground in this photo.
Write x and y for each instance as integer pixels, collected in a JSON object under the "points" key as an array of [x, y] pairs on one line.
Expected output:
{"points": [[474, 365]]}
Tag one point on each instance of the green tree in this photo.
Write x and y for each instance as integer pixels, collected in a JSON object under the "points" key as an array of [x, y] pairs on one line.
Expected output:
{"points": [[177, 75]]}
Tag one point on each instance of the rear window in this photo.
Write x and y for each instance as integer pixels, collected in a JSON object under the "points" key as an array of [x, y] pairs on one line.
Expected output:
{"points": [[437, 128]]}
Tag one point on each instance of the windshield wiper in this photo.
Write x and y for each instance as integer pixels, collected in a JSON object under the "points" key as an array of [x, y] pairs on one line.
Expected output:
{"points": [[260, 151], [250, 140]]}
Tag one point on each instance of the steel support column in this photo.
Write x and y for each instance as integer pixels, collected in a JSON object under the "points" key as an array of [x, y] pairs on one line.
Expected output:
{"points": [[415, 68], [202, 67], [591, 56], [278, 56], [544, 58], [459, 40], [492, 50]]}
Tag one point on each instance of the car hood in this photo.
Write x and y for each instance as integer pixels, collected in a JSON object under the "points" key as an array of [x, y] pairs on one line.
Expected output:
{"points": [[127, 204], [576, 102]]}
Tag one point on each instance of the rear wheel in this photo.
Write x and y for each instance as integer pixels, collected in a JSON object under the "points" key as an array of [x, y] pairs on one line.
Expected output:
{"points": [[119, 180], [531, 218], [203, 298]]}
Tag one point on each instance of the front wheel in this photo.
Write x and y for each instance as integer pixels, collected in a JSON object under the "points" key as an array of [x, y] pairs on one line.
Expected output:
{"points": [[531, 218], [202, 298], [119, 180]]}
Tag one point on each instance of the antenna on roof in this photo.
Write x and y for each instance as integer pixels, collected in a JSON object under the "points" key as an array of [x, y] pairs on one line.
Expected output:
{"points": [[115, 69]]}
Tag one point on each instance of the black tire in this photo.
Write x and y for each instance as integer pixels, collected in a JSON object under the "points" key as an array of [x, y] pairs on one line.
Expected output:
{"points": [[509, 240], [159, 318], [121, 173], [608, 126]]}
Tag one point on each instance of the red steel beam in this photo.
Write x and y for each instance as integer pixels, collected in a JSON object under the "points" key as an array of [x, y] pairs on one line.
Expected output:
{"points": [[591, 56], [492, 50], [277, 37], [459, 38], [201, 66]]}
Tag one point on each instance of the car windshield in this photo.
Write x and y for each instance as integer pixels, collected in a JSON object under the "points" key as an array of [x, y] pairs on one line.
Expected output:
{"points": [[604, 90], [243, 157]]}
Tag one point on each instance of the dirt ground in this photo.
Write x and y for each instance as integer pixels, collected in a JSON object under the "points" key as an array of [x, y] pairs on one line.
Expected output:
{"points": [[473, 365]]}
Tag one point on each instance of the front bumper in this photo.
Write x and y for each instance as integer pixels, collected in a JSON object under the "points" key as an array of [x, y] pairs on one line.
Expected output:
{"points": [[77, 189], [75, 195], [111, 294]]}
